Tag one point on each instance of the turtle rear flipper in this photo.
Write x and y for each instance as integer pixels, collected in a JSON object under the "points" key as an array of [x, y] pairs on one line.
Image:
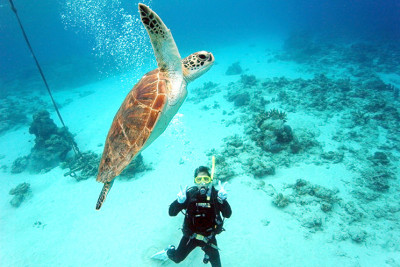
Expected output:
{"points": [[103, 194]]}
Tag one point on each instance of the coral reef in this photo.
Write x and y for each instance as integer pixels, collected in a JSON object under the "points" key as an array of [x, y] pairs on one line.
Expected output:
{"points": [[317, 208], [51, 144], [323, 195], [360, 118], [353, 212], [357, 235], [318, 95], [357, 103], [260, 167], [351, 119], [312, 221], [14, 109], [20, 164], [269, 131], [201, 93], [42, 126], [234, 69], [240, 100], [312, 203], [248, 80], [274, 141], [333, 157], [274, 114], [379, 159], [377, 178], [237, 153], [280, 201], [20, 193], [359, 59], [395, 90]]}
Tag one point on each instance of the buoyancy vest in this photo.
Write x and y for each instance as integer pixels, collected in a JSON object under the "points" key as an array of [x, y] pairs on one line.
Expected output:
{"points": [[202, 216]]}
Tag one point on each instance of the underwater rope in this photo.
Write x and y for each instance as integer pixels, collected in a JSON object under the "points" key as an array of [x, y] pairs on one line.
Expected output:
{"points": [[74, 146]]}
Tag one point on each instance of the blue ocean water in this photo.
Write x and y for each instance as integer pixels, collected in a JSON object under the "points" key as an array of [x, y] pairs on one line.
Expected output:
{"points": [[301, 110], [211, 22]]}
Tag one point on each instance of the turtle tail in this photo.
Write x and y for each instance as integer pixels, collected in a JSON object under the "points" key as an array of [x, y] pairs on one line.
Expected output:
{"points": [[106, 188]]}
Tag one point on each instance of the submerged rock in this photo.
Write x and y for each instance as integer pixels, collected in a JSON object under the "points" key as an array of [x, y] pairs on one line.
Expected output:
{"points": [[332, 156], [273, 147], [326, 207], [280, 201], [379, 158], [51, 145], [353, 211], [20, 164], [377, 178], [284, 135], [21, 189], [240, 100], [260, 168], [357, 235], [42, 126], [312, 221], [248, 80], [234, 69], [201, 93], [20, 193]]}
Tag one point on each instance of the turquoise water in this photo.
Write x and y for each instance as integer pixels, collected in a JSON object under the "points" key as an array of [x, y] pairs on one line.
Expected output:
{"points": [[301, 110]]}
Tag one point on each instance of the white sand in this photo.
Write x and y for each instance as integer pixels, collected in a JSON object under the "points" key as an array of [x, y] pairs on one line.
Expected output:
{"points": [[134, 223]]}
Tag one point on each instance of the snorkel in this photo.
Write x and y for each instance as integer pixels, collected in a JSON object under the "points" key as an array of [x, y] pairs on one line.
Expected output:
{"points": [[212, 168]]}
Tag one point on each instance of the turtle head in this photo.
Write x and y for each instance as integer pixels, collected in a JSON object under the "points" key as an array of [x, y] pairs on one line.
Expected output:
{"points": [[196, 65]]}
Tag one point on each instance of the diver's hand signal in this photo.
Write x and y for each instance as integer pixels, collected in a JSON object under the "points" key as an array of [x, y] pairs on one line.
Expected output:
{"points": [[182, 195], [222, 194]]}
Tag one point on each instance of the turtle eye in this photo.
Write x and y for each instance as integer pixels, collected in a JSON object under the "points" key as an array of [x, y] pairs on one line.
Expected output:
{"points": [[201, 56]]}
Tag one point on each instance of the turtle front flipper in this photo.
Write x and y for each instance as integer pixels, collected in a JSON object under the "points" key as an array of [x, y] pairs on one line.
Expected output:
{"points": [[103, 194], [165, 49]]}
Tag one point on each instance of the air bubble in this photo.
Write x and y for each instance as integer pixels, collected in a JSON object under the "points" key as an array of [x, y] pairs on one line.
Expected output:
{"points": [[118, 38]]}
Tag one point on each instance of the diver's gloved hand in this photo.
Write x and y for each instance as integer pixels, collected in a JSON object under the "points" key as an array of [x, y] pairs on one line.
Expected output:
{"points": [[222, 194], [182, 195]]}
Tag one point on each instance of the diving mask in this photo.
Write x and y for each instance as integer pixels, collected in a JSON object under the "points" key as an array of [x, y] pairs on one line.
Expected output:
{"points": [[203, 179]]}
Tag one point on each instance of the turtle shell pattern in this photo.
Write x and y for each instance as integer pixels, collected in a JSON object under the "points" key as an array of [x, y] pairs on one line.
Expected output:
{"points": [[133, 124]]}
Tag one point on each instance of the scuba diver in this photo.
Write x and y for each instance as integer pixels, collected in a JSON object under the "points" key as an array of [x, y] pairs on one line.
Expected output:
{"points": [[204, 206]]}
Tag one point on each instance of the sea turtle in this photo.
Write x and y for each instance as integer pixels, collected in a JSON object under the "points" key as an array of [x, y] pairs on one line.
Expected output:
{"points": [[152, 103]]}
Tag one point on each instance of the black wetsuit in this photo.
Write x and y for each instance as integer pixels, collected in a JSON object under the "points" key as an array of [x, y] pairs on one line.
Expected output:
{"points": [[202, 215]]}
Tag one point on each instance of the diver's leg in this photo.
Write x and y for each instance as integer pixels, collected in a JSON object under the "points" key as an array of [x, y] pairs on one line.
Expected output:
{"points": [[213, 253], [185, 247]]}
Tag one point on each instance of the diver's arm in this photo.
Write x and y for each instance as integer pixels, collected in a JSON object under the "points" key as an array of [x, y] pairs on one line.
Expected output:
{"points": [[225, 209], [222, 203], [179, 203], [176, 207]]}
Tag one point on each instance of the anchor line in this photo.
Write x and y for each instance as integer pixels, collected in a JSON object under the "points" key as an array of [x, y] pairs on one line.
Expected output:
{"points": [[74, 146]]}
